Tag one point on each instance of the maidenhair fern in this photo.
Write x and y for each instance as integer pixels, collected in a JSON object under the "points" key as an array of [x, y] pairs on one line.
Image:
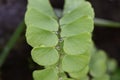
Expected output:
{"points": [[61, 45]]}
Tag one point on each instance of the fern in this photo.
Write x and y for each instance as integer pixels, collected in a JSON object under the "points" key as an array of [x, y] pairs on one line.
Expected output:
{"points": [[60, 45]]}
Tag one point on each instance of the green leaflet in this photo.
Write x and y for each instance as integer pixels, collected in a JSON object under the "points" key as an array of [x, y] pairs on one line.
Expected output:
{"points": [[75, 63], [46, 74], [68, 8], [83, 10], [60, 45], [81, 74], [45, 55], [77, 44], [40, 20], [42, 6], [103, 77], [112, 65], [98, 65], [39, 37], [77, 27]]}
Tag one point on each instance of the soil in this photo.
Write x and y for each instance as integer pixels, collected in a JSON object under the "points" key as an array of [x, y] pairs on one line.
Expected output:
{"points": [[19, 65]]}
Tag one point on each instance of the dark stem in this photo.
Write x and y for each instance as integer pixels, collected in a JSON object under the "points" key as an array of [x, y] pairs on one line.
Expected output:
{"points": [[59, 48]]}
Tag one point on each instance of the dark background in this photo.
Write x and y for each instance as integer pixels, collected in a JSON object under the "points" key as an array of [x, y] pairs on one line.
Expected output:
{"points": [[19, 65]]}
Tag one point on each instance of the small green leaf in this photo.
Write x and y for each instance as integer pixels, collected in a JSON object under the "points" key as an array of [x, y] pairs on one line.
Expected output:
{"points": [[98, 64], [84, 9], [38, 37], [98, 68], [35, 18], [76, 63], [112, 65], [103, 77], [46, 74], [45, 56], [68, 8], [79, 44], [77, 27], [42, 6], [81, 74]]}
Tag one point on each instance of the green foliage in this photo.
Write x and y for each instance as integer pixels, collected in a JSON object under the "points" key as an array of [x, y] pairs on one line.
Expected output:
{"points": [[40, 55], [60, 45], [101, 67], [46, 74], [116, 75], [112, 65], [79, 10], [81, 74], [83, 42], [75, 63], [103, 77], [80, 27], [98, 65], [37, 37], [63, 44]]}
